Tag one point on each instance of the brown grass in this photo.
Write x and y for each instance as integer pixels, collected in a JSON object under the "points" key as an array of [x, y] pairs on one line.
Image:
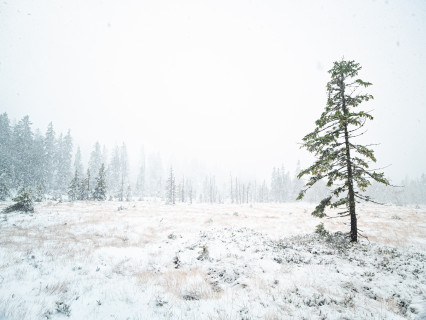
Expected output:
{"points": [[193, 281]]}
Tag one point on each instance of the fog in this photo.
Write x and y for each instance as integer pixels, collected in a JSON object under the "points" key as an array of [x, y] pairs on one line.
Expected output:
{"points": [[234, 85]]}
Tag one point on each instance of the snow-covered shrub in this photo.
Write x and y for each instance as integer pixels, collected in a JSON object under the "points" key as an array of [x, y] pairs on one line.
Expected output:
{"points": [[63, 308], [23, 202], [176, 262], [191, 295], [204, 253], [321, 230]]}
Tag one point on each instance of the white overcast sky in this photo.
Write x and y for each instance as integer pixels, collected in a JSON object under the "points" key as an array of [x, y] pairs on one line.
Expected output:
{"points": [[235, 84]]}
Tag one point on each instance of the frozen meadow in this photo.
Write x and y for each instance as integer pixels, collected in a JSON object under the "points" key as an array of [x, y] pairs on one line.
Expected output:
{"points": [[147, 260]]}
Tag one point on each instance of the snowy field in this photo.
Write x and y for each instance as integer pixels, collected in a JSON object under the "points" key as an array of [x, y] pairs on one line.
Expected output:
{"points": [[138, 260]]}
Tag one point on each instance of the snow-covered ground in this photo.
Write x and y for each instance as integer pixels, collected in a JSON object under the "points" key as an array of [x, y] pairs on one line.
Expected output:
{"points": [[138, 260]]}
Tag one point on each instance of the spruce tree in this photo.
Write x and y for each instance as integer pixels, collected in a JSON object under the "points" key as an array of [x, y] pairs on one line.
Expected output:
{"points": [[95, 162], [114, 173], [63, 160], [100, 189], [22, 145], [84, 190], [190, 191], [342, 162], [140, 182], [4, 189], [171, 188], [128, 193], [124, 165], [74, 187], [78, 166], [6, 159], [49, 167], [38, 163]]}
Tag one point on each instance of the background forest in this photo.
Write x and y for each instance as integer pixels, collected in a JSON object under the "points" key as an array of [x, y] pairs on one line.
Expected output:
{"points": [[51, 166]]}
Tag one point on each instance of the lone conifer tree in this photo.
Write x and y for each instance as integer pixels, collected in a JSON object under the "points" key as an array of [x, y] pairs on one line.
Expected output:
{"points": [[342, 162]]}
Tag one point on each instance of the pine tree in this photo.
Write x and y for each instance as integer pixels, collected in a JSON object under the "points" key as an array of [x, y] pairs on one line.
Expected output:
{"points": [[21, 149], [171, 188], [95, 162], [63, 161], [74, 187], [104, 157], [78, 166], [264, 192], [342, 162], [4, 189], [49, 157], [84, 190], [182, 191], [100, 190], [6, 165], [37, 163], [124, 170], [140, 182], [114, 173], [128, 193], [190, 191]]}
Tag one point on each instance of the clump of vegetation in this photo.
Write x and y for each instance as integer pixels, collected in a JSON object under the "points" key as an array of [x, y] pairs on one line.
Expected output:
{"points": [[191, 296], [63, 308], [159, 301], [23, 203], [204, 253], [320, 229], [172, 236], [176, 262]]}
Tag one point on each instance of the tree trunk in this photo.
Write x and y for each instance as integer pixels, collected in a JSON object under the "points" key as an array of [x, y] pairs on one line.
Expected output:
{"points": [[351, 193]]}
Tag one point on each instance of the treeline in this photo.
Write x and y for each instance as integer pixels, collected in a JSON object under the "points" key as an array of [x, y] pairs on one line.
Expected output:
{"points": [[283, 187], [46, 164], [30, 159], [410, 191]]}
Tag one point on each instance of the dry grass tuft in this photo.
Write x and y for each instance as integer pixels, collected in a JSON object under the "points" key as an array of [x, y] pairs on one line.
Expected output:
{"points": [[186, 284]]}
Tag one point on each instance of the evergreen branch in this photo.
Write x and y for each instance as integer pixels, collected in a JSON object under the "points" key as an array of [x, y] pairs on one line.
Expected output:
{"points": [[346, 215], [367, 199], [358, 135]]}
